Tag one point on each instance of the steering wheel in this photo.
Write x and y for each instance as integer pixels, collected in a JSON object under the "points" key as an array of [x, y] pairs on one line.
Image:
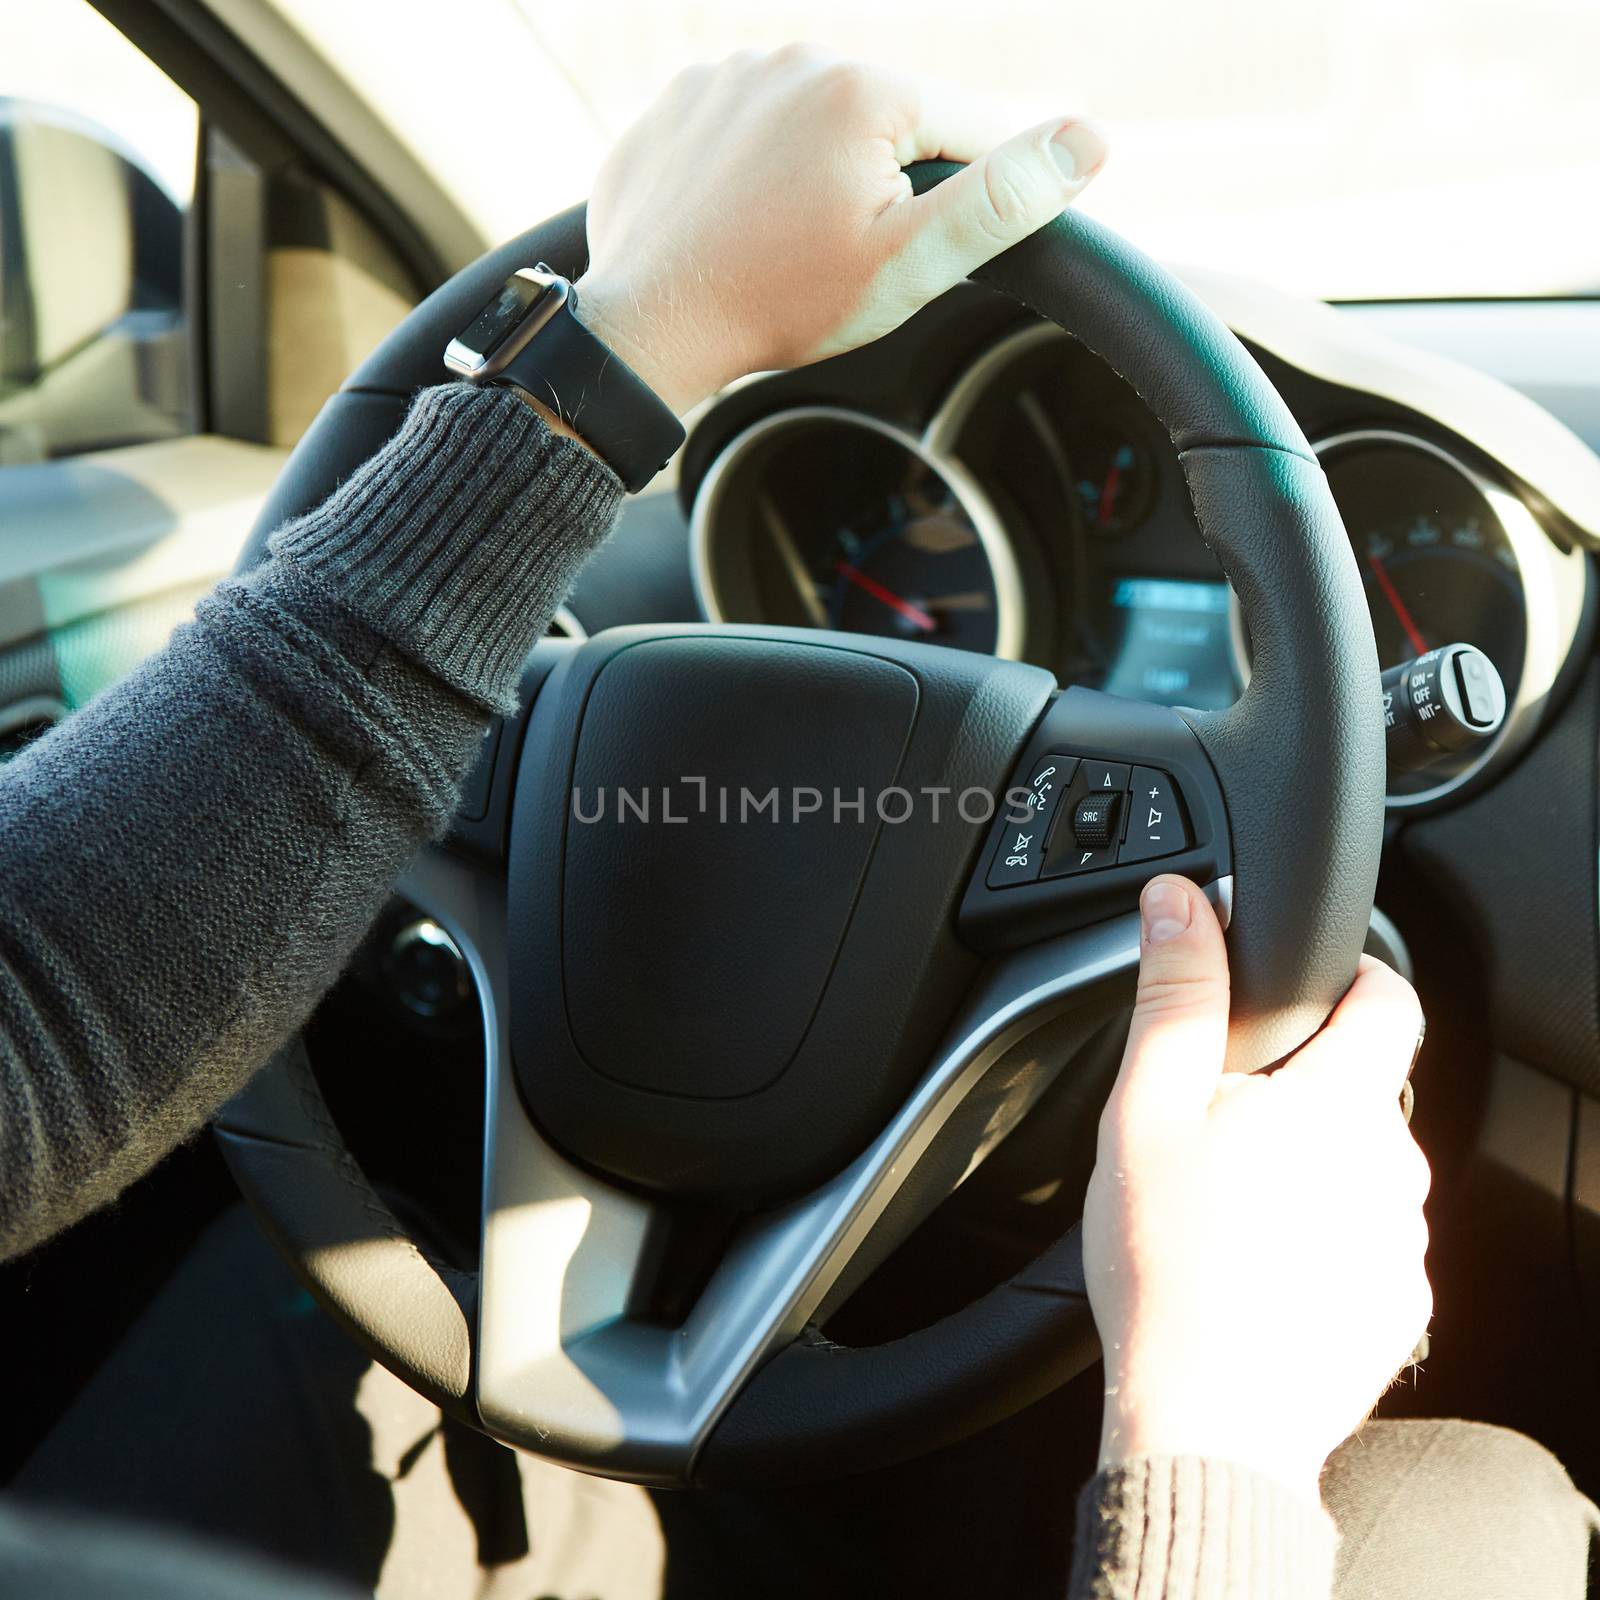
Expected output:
{"points": [[812, 1029]]}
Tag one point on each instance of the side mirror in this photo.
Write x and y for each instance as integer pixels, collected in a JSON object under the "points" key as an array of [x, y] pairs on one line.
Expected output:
{"points": [[93, 331]]}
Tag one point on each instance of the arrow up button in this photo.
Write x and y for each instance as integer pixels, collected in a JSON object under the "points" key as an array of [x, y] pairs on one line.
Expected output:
{"points": [[1155, 818]]}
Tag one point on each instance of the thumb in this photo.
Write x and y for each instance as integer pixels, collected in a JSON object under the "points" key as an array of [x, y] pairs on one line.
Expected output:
{"points": [[1173, 1060], [996, 202]]}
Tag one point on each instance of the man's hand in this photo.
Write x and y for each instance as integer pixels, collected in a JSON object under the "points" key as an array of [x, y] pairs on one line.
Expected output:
{"points": [[1253, 1244], [757, 215]]}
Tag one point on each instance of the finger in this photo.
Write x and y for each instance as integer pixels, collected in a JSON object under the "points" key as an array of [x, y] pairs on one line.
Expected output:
{"points": [[1370, 1041], [995, 202], [1172, 1063]]}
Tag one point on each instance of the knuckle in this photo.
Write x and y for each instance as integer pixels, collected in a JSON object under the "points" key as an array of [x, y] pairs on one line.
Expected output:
{"points": [[1410, 1238], [800, 53], [1403, 1245], [1422, 1304], [691, 79], [1402, 1174], [1012, 191], [1420, 1176], [849, 83], [732, 70]]}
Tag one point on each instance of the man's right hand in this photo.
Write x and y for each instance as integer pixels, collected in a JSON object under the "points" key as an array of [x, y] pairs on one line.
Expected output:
{"points": [[757, 216], [1253, 1244]]}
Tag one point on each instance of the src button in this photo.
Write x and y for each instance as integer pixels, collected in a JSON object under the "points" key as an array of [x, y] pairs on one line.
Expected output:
{"points": [[1091, 820], [1094, 822]]}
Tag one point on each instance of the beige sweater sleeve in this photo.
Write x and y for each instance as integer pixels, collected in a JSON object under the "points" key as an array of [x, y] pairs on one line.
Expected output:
{"points": [[1185, 1528]]}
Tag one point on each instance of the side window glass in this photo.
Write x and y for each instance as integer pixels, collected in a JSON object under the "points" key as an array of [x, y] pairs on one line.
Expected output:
{"points": [[97, 164]]}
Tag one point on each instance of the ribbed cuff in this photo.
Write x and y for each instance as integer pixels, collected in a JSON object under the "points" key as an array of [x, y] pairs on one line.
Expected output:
{"points": [[458, 539], [1185, 1528]]}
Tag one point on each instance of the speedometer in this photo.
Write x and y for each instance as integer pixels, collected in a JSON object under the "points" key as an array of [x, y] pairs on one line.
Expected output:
{"points": [[1434, 556], [1439, 567], [1447, 555], [824, 518]]}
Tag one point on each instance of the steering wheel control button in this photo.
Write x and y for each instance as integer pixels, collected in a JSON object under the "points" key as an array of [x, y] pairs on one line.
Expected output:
{"points": [[1104, 774], [1094, 820], [1020, 852], [1068, 856], [1017, 857], [1155, 818], [1046, 784], [1093, 808]]}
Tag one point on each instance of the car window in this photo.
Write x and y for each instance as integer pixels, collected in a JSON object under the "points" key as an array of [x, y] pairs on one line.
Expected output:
{"points": [[97, 163], [1364, 149]]}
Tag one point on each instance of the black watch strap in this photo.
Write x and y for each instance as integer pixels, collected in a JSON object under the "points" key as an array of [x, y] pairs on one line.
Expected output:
{"points": [[598, 395]]}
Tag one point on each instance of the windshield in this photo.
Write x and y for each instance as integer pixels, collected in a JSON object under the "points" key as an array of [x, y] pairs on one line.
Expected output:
{"points": [[1352, 149]]}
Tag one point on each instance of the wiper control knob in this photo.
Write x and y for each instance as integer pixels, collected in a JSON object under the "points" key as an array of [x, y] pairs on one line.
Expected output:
{"points": [[1440, 706]]}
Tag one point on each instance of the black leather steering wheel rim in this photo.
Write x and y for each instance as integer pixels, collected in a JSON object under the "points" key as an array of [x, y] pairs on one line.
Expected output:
{"points": [[1301, 899]]}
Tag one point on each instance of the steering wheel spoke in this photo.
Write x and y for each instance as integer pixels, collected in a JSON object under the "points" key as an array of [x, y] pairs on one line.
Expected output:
{"points": [[569, 1364]]}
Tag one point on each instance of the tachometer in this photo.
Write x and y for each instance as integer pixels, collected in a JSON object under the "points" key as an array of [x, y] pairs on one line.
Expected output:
{"points": [[830, 519], [1433, 554], [1112, 473]]}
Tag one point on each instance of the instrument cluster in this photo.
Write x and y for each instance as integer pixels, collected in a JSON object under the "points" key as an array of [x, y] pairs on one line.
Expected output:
{"points": [[1040, 513]]}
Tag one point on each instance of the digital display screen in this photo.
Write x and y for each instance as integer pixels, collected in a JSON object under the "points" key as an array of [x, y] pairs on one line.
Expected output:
{"points": [[1169, 643], [491, 325]]}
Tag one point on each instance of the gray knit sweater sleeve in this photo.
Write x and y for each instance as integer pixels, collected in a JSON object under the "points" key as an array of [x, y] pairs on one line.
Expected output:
{"points": [[1185, 1528], [187, 863]]}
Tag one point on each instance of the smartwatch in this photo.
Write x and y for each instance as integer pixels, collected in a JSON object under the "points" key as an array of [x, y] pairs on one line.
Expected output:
{"points": [[529, 336]]}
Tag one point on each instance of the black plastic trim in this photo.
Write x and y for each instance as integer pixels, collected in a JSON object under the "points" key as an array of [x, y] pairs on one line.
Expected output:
{"points": [[1086, 723]]}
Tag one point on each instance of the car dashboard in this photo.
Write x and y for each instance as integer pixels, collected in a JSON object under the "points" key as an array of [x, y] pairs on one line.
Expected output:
{"points": [[983, 481]]}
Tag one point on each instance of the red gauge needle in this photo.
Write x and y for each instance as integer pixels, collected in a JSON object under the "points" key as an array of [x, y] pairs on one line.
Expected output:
{"points": [[1108, 495], [1397, 605], [914, 614]]}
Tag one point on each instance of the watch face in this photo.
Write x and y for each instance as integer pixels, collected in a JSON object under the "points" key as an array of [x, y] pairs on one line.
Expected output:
{"points": [[488, 330]]}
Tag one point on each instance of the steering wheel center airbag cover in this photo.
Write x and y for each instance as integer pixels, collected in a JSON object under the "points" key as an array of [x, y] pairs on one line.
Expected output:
{"points": [[734, 893], [703, 802]]}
